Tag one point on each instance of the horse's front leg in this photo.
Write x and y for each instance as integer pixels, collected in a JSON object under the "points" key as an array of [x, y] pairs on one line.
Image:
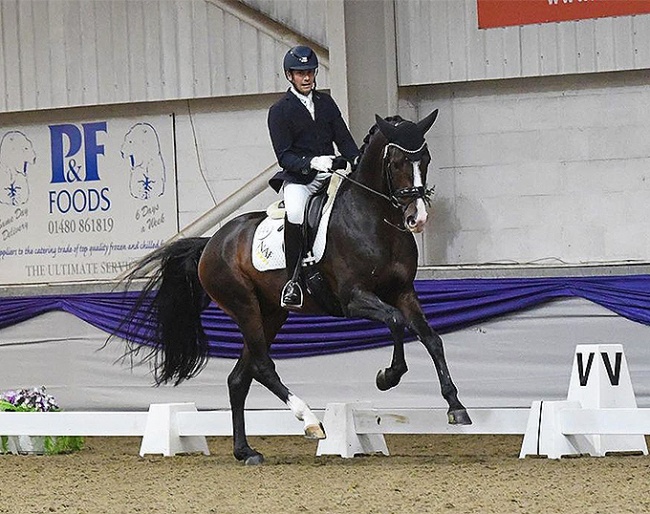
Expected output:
{"points": [[391, 376], [367, 305], [409, 305]]}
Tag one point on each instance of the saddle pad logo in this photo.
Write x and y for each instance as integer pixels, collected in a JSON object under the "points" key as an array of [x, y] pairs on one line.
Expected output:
{"points": [[268, 242], [267, 245]]}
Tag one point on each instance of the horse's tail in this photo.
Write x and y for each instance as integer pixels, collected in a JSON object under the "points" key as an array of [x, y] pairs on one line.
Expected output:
{"points": [[166, 316]]}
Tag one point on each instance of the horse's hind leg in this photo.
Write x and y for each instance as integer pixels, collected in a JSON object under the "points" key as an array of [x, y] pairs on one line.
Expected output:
{"points": [[255, 363], [239, 383], [313, 427], [264, 372]]}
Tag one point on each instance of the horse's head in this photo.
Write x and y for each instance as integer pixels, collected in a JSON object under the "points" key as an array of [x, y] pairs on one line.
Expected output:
{"points": [[405, 162]]}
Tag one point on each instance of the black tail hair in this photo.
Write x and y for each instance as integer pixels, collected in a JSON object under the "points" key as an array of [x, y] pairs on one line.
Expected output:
{"points": [[166, 316]]}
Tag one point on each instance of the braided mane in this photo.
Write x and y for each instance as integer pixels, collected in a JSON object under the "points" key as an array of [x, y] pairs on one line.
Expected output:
{"points": [[396, 120]]}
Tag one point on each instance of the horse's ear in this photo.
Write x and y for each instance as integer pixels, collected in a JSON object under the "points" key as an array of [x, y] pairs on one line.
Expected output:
{"points": [[387, 129], [425, 124]]}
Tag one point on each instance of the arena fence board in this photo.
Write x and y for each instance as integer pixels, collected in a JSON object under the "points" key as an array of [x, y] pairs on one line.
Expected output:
{"points": [[182, 423], [352, 428]]}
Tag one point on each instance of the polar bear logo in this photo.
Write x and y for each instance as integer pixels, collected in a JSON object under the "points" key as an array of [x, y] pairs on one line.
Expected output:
{"points": [[16, 154], [141, 148]]}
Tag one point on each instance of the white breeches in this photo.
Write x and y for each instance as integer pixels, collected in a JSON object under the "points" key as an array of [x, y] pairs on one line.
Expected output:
{"points": [[296, 196]]}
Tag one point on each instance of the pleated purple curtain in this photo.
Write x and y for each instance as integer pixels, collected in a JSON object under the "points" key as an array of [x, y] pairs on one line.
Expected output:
{"points": [[448, 305]]}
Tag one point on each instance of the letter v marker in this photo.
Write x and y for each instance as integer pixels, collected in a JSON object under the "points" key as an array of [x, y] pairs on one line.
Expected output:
{"points": [[613, 374], [583, 374]]}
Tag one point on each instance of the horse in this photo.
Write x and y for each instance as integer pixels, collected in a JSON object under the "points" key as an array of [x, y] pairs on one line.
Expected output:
{"points": [[368, 268]]}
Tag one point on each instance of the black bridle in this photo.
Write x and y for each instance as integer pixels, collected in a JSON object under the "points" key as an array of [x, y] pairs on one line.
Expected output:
{"points": [[395, 195], [412, 193]]}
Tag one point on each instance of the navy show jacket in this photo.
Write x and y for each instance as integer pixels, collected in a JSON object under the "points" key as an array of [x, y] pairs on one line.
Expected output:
{"points": [[297, 138]]}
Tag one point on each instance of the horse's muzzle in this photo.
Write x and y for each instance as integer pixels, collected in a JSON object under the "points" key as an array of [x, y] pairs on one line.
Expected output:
{"points": [[415, 216]]}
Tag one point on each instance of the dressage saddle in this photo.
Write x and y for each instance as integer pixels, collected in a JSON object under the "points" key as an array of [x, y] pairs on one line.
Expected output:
{"points": [[311, 277]]}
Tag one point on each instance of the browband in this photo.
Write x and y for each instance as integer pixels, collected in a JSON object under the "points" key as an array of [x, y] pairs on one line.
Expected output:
{"points": [[414, 152]]}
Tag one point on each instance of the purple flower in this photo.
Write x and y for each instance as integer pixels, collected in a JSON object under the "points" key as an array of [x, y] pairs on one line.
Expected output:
{"points": [[35, 399], [9, 396]]}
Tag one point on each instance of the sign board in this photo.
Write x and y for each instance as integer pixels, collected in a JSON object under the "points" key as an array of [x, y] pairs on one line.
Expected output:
{"points": [[503, 13], [600, 379], [83, 200]]}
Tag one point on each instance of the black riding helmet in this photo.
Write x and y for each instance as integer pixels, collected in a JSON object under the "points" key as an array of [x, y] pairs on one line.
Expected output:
{"points": [[300, 58]]}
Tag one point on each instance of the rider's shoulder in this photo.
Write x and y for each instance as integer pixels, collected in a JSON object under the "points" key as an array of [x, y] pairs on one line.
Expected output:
{"points": [[325, 100], [323, 97], [284, 102], [279, 108]]}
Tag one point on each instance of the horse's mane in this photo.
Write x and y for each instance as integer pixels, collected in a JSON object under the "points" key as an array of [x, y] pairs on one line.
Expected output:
{"points": [[366, 140]]}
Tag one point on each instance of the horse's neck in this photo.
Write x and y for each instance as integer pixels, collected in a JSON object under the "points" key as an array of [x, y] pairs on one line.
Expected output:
{"points": [[366, 195], [370, 170]]}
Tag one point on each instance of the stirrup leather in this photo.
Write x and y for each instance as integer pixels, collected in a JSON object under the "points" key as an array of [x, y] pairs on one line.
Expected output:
{"points": [[291, 295]]}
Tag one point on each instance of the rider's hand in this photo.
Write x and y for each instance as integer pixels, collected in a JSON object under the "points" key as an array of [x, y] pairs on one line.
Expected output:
{"points": [[322, 162], [339, 163]]}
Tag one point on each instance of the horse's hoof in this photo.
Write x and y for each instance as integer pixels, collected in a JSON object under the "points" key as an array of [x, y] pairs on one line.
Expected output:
{"points": [[315, 431], [459, 417], [383, 382], [248, 456], [380, 380], [254, 460]]}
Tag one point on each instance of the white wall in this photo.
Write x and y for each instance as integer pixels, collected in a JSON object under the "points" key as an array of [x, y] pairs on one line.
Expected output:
{"points": [[439, 41], [307, 17], [222, 144], [548, 170], [89, 52]]}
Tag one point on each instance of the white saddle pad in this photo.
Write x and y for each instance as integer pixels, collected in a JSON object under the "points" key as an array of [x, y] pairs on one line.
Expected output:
{"points": [[268, 241]]}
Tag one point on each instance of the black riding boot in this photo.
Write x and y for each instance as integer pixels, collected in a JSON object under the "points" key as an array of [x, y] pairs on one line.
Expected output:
{"points": [[291, 296]]}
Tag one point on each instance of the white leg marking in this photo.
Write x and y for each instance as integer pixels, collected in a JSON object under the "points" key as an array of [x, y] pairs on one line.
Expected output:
{"points": [[302, 411]]}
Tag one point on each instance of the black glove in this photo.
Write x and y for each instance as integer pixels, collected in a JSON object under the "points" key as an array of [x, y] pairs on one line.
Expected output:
{"points": [[339, 163]]}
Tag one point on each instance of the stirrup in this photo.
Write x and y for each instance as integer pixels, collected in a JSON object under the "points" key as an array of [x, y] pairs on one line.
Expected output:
{"points": [[291, 296]]}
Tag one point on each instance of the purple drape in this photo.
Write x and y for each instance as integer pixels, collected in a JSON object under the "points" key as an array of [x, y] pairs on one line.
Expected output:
{"points": [[448, 305]]}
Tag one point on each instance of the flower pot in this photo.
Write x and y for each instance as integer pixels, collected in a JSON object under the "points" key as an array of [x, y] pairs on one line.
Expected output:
{"points": [[26, 444]]}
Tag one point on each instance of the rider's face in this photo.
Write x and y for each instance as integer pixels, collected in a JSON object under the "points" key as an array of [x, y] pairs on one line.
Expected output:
{"points": [[302, 80]]}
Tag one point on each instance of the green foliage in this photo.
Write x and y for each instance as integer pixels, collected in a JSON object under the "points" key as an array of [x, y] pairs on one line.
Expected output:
{"points": [[63, 444], [37, 400], [5, 406]]}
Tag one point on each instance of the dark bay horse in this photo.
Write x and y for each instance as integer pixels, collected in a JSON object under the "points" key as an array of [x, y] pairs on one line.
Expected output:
{"points": [[368, 266]]}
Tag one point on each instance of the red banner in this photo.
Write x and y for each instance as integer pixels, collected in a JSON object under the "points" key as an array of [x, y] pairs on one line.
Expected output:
{"points": [[503, 13]]}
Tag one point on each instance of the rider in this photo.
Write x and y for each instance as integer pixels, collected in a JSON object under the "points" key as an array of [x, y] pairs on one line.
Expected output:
{"points": [[304, 125]]}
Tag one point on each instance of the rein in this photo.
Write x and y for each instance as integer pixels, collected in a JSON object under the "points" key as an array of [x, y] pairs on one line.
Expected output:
{"points": [[369, 189], [375, 192]]}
